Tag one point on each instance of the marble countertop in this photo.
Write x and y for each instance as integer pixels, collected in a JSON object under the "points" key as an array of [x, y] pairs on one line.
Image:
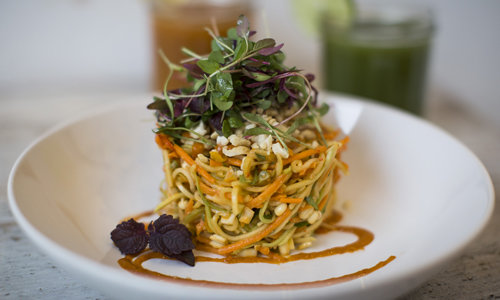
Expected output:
{"points": [[27, 273]]}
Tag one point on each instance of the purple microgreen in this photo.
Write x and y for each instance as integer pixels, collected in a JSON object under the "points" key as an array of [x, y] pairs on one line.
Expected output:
{"points": [[272, 79], [310, 77], [283, 87], [243, 27], [194, 70], [256, 63], [215, 121], [270, 50]]}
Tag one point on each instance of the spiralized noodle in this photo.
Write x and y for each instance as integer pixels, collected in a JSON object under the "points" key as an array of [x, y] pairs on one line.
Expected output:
{"points": [[258, 200]]}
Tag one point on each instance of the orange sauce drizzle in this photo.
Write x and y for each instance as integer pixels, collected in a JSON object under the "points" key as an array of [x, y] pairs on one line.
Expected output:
{"points": [[133, 263]]}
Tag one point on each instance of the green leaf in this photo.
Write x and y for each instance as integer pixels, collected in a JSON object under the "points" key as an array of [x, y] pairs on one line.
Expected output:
{"points": [[216, 56], [198, 83], [282, 96], [240, 50], [232, 33], [208, 66], [220, 101], [224, 83], [260, 76], [255, 118], [222, 94], [215, 45], [188, 123], [323, 109], [264, 104], [311, 202], [234, 119], [299, 122], [301, 224], [226, 128], [296, 82], [221, 43], [256, 131]]}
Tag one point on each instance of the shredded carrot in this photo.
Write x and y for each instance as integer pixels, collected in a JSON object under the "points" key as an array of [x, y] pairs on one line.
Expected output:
{"points": [[214, 163], [163, 141], [257, 237], [200, 226], [189, 206], [172, 155], [344, 142], [330, 134], [304, 207], [323, 201], [182, 154], [304, 154], [290, 200], [196, 149], [268, 192], [263, 250], [284, 199], [203, 239], [234, 161], [207, 190]]}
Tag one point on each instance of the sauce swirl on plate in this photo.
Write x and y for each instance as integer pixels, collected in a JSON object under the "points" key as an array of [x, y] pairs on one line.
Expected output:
{"points": [[364, 237]]}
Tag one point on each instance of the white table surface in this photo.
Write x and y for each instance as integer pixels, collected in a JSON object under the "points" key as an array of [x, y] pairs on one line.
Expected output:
{"points": [[27, 273]]}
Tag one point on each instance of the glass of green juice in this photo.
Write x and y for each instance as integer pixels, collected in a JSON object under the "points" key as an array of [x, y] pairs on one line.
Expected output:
{"points": [[380, 53]]}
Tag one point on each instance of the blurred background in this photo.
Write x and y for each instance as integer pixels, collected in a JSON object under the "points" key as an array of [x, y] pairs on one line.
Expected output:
{"points": [[56, 48]]}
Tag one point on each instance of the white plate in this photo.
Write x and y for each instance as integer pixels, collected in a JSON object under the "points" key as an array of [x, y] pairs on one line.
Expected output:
{"points": [[421, 192]]}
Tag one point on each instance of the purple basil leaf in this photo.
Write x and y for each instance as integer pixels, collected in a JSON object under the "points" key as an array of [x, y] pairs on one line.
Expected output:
{"points": [[130, 237], [169, 237], [186, 257], [171, 242], [271, 50]]}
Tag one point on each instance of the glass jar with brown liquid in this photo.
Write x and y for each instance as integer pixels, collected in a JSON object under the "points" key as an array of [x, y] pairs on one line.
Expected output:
{"points": [[181, 23]]}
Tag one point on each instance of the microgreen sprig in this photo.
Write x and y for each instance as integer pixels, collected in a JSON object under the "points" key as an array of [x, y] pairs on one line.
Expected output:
{"points": [[238, 77]]}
